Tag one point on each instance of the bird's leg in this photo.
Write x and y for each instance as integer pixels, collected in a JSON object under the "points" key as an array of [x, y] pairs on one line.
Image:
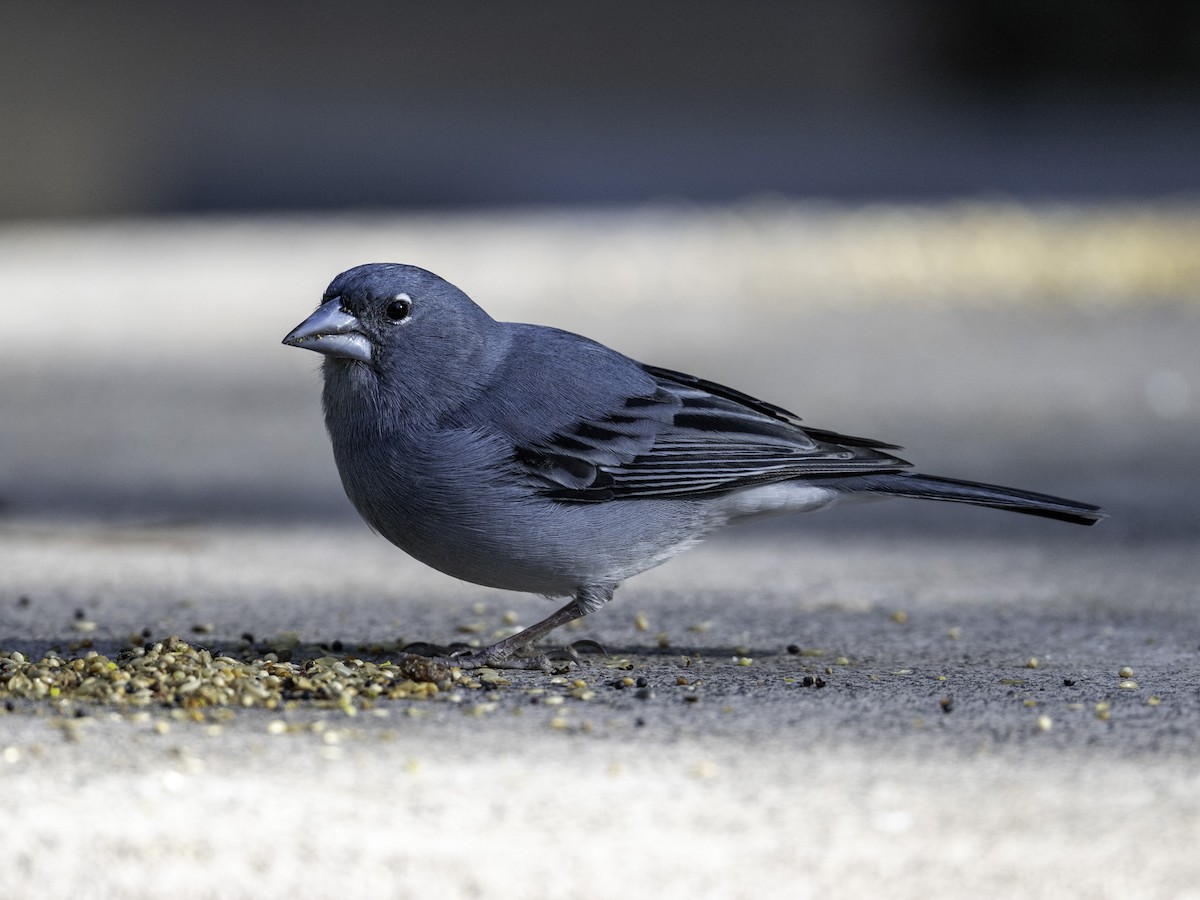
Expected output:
{"points": [[508, 653]]}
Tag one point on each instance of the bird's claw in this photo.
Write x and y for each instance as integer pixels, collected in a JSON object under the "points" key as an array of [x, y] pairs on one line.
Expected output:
{"points": [[463, 657], [587, 645]]}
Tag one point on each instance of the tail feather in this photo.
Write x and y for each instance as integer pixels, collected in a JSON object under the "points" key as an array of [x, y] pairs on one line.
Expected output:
{"points": [[952, 490]]}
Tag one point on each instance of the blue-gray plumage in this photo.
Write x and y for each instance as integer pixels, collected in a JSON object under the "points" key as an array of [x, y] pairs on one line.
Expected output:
{"points": [[532, 459]]}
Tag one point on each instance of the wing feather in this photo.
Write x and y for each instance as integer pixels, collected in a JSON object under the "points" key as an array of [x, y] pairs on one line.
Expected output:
{"points": [[691, 438]]}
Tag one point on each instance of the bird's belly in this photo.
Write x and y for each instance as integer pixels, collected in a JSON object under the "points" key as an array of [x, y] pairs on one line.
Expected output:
{"points": [[529, 543]]}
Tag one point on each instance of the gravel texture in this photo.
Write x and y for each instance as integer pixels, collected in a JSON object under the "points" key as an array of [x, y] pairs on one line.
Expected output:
{"points": [[901, 697]]}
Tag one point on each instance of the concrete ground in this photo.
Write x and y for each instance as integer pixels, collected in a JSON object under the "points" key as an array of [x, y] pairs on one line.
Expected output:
{"points": [[897, 699]]}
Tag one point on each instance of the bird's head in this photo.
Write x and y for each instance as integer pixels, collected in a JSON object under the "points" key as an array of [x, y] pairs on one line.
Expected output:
{"points": [[403, 330]]}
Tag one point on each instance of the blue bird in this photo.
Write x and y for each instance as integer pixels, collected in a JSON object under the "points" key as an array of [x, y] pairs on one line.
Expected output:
{"points": [[532, 459]]}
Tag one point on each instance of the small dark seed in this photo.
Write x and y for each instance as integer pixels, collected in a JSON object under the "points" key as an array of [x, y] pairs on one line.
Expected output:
{"points": [[1069, 682], [820, 682], [807, 681], [22, 601], [336, 646], [644, 693], [639, 722], [80, 614], [641, 681], [793, 649]]}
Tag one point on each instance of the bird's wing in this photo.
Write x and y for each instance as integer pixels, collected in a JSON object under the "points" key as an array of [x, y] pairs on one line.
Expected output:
{"points": [[680, 436]]}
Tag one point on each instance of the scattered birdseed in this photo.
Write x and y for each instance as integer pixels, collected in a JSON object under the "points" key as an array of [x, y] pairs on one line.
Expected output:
{"points": [[618, 663], [743, 660], [1128, 685], [11, 754], [947, 704], [793, 649], [700, 627], [1125, 672], [1153, 701], [1033, 663], [842, 661], [1044, 722], [510, 618], [640, 622], [177, 675], [954, 633], [83, 625], [900, 616], [492, 677]]}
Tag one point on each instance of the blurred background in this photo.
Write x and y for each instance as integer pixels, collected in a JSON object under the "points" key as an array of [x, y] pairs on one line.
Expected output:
{"points": [[968, 228], [144, 107]]}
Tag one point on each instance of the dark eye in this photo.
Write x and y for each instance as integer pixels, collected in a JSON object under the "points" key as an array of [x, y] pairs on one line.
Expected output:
{"points": [[398, 309]]}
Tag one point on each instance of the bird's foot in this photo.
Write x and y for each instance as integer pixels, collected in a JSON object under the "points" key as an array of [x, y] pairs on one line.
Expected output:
{"points": [[516, 650], [500, 656]]}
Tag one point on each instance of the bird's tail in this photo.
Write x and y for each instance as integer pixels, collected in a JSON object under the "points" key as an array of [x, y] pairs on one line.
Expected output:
{"points": [[932, 487]]}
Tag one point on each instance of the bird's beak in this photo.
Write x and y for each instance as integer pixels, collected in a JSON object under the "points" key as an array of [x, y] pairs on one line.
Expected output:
{"points": [[332, 331]]}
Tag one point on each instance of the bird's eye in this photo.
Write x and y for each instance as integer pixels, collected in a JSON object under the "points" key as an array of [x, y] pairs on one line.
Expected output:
{"points": [[398, 309]]}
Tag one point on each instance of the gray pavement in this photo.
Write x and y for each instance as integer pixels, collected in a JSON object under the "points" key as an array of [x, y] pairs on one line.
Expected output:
{"points": [[164, 472]]}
